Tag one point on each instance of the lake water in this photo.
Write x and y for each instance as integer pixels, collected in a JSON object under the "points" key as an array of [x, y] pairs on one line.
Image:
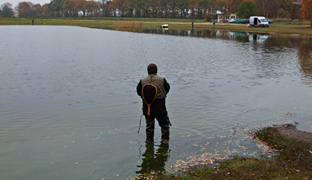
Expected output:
{"points": [[69, 108]]}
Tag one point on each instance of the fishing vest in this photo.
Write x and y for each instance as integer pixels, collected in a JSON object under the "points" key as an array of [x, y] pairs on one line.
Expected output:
{"points": [[158, 82]]}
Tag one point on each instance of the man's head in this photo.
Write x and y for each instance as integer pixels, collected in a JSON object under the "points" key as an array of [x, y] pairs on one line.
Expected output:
{"points": [[152, 69]]}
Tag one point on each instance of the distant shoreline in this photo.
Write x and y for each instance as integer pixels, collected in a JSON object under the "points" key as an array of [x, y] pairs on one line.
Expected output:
{"points": [[293, 28]]}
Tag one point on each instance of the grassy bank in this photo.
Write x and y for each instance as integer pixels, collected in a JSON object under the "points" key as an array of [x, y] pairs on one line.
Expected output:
{"points": [[137, 24], [293, 161]]}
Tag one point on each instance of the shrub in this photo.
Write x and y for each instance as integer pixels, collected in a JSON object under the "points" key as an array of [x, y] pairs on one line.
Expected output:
{"points": [[208, 16]]}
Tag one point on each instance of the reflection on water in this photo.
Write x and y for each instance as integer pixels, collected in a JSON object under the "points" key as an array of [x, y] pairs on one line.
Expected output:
{"points": [[305, 61], [269, 44], [69, 109], [220, 34], [201, 34], [153, 162]]}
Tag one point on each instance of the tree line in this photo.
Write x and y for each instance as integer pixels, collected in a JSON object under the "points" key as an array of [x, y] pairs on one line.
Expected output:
{"points": [[291, 9]]}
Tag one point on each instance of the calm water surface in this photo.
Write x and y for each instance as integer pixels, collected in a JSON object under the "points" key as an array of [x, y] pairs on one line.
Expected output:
{"points": [[69, 109]]}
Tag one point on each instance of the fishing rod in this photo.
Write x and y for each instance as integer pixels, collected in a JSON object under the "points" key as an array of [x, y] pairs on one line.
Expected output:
{"points": [[144, 55], [144, 58]]}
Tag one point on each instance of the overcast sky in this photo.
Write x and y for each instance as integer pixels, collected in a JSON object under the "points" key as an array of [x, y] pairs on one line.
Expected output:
{"points": [[15, 2]]}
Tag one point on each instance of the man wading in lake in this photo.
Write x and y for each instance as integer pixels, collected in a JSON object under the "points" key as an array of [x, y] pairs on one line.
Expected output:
{"points": [[153, 90]]}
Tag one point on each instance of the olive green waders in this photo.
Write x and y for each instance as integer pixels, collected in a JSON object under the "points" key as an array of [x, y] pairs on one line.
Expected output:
{"points": [[164, 124]]}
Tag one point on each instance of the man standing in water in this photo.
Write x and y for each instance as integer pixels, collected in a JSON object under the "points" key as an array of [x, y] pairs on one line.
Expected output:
{"points": [[157, 108]]}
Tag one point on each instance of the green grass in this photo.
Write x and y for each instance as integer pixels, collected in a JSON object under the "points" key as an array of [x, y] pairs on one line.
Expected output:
{"points": [[243, 168], [292, 153]]}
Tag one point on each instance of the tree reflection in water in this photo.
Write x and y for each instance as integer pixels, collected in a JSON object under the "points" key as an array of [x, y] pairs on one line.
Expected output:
{"points": [[305, 61], [153, 163]]}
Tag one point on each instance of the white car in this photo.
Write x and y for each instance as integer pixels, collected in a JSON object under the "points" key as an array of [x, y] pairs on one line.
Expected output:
{"points": [[231, 20]]}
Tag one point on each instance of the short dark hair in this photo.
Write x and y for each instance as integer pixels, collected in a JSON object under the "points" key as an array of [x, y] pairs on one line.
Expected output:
{"points": [[152, 69]]}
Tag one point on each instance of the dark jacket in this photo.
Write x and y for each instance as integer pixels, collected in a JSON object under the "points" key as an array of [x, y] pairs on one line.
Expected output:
{"points": [[159, 105]]}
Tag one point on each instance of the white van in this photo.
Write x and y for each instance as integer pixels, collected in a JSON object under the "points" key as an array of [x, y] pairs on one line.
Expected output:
{"points": [[258, 21]]}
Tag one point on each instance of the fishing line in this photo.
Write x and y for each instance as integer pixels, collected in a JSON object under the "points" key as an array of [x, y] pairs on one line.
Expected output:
{"points": [[144, 58], [144, 54], [140, 123]]}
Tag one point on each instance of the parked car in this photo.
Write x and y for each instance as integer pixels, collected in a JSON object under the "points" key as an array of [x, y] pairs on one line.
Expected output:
{"points": [[238, 21], [231, 20], [269, 20], [245, 21]]}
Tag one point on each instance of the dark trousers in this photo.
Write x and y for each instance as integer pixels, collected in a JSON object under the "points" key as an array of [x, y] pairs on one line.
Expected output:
{"points": [[164, 123]]}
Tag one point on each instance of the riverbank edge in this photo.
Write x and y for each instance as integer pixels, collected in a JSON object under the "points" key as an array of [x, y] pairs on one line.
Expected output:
{"points": [[293, 159], [292, 28]]}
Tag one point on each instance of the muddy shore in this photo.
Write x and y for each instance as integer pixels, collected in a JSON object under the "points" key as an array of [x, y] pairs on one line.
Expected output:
{"points": [[290, 131]]}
